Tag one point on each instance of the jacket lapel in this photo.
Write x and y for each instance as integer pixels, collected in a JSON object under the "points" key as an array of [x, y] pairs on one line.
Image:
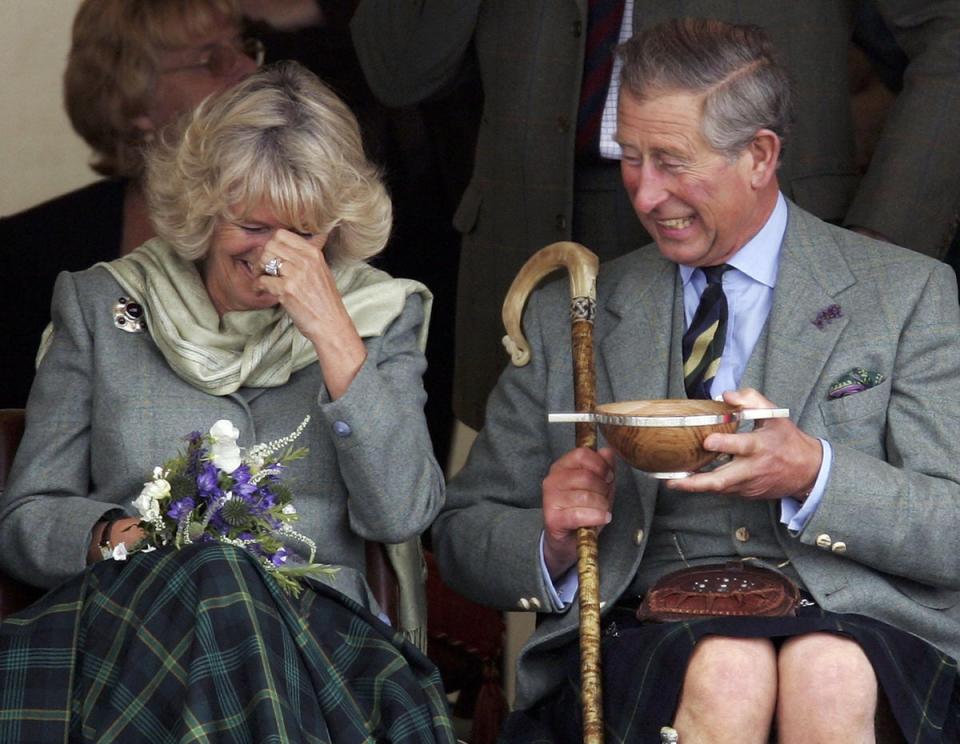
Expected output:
{"points": [[633, 347], [636, 323], [812, 273]]}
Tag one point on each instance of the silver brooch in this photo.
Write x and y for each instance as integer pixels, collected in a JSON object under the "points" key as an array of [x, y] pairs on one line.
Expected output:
{"points": [[128, 316]]}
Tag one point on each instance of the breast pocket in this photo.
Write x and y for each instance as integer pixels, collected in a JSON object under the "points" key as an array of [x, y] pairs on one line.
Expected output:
{"points": [[859, 420]]}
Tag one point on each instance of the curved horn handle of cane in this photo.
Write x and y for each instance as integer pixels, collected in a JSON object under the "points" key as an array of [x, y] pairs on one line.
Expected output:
{"points": [[581, 264]]}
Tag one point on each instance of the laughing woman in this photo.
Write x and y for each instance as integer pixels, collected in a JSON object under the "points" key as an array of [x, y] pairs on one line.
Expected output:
{"points": [[255, 306]]}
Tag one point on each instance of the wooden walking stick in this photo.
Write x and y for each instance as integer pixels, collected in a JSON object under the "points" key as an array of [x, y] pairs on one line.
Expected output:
{"points": [[582, 267]]}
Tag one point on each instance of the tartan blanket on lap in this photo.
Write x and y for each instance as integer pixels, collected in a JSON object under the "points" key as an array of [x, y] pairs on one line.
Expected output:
{"points": [[200, 645]]}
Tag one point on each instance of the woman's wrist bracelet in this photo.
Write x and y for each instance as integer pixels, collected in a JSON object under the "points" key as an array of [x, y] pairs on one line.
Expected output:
{"points": [[106, 547]]}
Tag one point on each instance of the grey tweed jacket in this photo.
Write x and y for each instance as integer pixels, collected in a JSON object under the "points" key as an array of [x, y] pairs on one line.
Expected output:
{"points": [[893, 496], [106, 408]]}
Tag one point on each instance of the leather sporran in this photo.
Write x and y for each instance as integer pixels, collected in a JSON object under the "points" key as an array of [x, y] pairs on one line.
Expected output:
{"points": [[720, 590]]}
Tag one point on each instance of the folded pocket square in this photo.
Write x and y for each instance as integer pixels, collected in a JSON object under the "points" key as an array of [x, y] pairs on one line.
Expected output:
{"points": [[855, 381]]}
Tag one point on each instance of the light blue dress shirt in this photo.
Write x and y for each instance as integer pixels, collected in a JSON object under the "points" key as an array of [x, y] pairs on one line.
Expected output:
{"points": [[749, 292]]}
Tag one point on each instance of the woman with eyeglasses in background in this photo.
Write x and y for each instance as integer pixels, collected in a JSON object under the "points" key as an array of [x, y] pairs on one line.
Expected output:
{"points": [[134, 67]]}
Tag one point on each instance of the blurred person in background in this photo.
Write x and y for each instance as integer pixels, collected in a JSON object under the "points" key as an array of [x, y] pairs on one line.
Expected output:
{"points": [[134, 67]]}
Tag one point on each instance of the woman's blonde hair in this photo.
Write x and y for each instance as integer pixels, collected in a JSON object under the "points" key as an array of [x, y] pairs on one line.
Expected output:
{"points": [[279, 139], [112, 68]]}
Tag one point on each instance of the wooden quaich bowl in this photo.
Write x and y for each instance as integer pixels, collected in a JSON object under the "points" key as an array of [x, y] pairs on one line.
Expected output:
{"points": [[664, 438]]}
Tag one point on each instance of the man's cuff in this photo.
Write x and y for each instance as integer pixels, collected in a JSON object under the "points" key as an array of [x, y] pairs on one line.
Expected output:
{"points": [[795, 514], [564, 590]]}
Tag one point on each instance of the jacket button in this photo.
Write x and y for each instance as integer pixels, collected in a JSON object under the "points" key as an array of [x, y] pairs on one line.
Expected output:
{"points": [[560, 222], [563, 124], [638, 537], [824, 541], [524, 603], [577, 29], [535, 603], [839, 547], [742, 534], [342, 429]]}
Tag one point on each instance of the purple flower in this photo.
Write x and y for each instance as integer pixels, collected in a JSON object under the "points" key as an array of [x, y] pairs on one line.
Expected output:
{"points": [[280, 557], [243, 487], [181, 509], [218, 523], [207, 482], [268, 499], [825, 316]]}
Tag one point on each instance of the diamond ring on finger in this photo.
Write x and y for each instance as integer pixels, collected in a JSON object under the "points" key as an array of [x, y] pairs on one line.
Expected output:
{"points": [[273, 266]]}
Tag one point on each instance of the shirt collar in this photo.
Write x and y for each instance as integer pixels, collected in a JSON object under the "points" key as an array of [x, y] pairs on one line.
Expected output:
{"points": [[759, 258]]}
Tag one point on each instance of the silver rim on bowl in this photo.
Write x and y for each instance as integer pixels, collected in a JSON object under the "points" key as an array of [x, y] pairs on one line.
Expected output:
{"points": [[708, 419]]}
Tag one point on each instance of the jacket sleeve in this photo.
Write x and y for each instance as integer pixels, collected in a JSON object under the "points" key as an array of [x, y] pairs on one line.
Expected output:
{"points": [[383, 447], [487, 538], [900, 514], [413, 49], [911, 191], [46, 513]]}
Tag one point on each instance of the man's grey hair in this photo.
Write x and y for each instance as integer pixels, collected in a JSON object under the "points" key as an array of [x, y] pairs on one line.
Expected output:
{"points": [[734, 68]]}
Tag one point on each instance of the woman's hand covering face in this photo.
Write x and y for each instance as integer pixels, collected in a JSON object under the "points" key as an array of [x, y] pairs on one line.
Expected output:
{"points": [[236, 278], [304, 285]]}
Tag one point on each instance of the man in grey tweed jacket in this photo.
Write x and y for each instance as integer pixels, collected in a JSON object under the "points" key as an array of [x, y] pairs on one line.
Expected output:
{"points": [[522, 193], [856, 497]]}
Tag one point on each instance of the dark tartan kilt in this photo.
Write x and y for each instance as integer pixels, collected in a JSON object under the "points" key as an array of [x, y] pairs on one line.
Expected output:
{"points": [[199, 645], [643, 665]]}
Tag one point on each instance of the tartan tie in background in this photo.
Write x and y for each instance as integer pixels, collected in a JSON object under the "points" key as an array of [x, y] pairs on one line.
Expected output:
{"points": [[704, 339], [603, 29]]}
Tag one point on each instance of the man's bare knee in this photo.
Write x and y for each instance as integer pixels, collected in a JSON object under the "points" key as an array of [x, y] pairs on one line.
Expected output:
{"points": [[827, 686], [723, 669]]}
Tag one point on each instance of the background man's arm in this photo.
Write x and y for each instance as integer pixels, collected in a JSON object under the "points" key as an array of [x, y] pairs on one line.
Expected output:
{"points": [[910, 194], [413, 49]]}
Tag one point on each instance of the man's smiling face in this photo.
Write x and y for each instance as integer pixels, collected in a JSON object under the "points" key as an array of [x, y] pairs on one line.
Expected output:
{"points": [[700, 205]]}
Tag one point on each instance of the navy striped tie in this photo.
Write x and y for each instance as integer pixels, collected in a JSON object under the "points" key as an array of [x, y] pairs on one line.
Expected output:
{"points": [[704, 339], [603, 30]]}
